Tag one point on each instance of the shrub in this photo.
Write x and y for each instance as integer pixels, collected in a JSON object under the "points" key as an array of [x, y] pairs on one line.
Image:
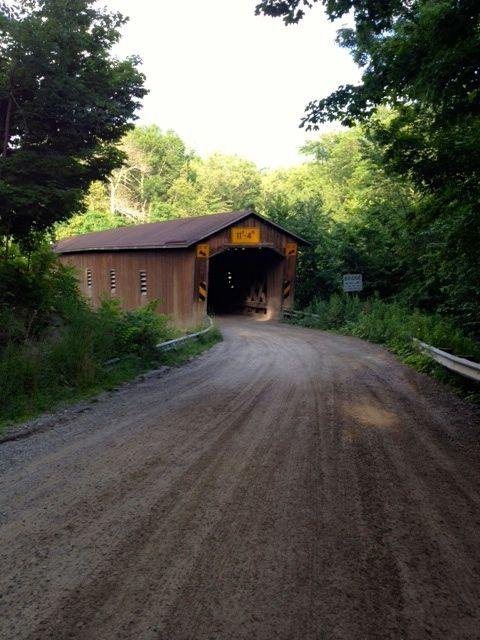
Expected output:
{"points": [[53, 345], [143, 329], [35, 293]]}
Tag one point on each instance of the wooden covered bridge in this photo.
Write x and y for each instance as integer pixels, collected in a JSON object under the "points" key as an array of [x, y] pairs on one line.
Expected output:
{"points": [[236, 262]]}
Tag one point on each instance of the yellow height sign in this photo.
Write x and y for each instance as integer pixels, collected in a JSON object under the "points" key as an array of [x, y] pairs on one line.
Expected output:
{"points": [[291, 249], [203, 250], [245, 235]]}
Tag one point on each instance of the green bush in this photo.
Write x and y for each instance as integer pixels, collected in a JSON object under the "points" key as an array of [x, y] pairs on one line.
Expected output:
{"points": [[143, 329], [53, 345], [35, 294]]}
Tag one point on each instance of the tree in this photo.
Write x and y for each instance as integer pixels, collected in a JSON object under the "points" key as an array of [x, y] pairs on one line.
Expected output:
{"points": [[219, 183], [353, 176], [160, 179], [292, 198], [352, 211], [154, 160], [64, 102], [418, 50], [420, 58]]}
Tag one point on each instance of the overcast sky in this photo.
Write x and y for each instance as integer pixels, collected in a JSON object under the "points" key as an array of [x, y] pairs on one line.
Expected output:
{"points": [[227, 80]]}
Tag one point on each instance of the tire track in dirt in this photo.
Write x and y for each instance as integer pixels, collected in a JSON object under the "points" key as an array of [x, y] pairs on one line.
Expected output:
{"points": [[288, 484], [140, 531]]}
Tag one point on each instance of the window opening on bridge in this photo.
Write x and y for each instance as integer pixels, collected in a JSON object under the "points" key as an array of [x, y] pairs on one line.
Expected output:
{"points": [[143, 283], [113, 282], [89, 278]]}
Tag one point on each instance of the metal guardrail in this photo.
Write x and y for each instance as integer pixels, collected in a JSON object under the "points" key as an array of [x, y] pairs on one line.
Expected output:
{"points": [[170, 344], [176, 342], [289, 313], [464, 367]]}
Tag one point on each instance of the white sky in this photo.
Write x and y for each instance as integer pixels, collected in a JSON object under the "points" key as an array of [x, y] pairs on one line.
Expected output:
{"points": [[227, 80]]}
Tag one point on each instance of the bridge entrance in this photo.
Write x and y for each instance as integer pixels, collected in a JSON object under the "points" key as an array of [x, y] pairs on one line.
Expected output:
{"points": [[245, 280]]}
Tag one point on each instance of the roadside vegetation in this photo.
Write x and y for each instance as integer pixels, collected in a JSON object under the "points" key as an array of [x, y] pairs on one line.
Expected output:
{"points": [[55, 347], [394, 325]]}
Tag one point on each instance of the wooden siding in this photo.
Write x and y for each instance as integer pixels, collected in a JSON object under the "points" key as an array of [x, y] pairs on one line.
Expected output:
{"points": [[170, 274], [268, 235]]}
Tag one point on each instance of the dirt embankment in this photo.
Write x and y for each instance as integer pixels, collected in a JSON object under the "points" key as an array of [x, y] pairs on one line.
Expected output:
{"points": [[288, 484]]}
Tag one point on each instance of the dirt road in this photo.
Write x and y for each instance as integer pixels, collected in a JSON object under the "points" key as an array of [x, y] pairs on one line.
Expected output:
{"points": [[288, 484]]}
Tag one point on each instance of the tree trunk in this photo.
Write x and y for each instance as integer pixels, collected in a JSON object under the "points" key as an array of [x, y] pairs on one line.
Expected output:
{"points": [[112, 196], [6, 253], [6, 134], [6, 131]]}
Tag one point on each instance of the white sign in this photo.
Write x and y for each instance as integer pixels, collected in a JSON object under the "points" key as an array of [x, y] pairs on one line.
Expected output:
{"points": [[352, 282]]}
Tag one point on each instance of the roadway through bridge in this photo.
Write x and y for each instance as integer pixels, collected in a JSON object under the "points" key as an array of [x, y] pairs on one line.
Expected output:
{"points": [[288, 484]]}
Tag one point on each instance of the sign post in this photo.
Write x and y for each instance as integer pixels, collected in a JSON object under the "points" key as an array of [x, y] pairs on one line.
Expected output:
{"points": [[352, 282], [201, 272]]}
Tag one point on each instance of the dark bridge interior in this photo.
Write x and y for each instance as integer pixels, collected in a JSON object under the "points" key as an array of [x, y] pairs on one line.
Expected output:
{"points": [[240, 279]]}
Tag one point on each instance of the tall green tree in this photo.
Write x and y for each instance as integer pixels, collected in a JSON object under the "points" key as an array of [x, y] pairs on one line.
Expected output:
{"points": [[426, 51], [64, 103], [218, 183], [354, 213], [421, 58], [138, 190]]}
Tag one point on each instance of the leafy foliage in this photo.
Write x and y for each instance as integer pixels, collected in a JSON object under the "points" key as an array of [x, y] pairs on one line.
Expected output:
{"points": [[54, 346], [154, 160], [421, 59], [160, 180], [353, 212], [35, 293], [64, 102], [392, 41], [219, 183]]}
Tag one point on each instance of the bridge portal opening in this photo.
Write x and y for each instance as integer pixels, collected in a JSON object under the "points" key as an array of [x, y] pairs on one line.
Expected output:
{"points": [[244, 280]]}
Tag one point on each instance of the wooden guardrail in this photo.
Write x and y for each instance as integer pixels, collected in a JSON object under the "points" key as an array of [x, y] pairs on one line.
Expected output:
{"points": [[462, 366]]}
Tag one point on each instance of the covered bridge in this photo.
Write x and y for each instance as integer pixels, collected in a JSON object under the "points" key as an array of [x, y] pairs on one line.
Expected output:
{"points": [[236, 262]]}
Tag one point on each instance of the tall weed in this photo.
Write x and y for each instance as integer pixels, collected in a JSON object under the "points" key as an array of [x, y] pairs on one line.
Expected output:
{"points": [[53, 345], [74, 359]]}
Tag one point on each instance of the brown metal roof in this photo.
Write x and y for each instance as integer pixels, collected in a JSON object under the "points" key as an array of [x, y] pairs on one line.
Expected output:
{"points": [[171, 234]]}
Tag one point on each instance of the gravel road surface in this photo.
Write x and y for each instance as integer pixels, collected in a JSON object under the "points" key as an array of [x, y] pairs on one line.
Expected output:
{"points": [[288, 484]]}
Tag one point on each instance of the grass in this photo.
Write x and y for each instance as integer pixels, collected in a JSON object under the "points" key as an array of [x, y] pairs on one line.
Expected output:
{"points": [[55, 348], [393, 324], [38, 378], [191, 349]]}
